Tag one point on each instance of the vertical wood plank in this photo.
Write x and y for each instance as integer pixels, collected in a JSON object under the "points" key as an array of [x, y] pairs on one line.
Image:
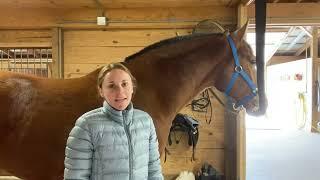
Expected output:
{"points": [[230, 130], [315, 79], [56, 61], [241, 145], [240, 123]]}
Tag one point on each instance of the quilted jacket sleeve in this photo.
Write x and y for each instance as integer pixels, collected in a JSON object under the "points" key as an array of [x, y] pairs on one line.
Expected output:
{"points": [[78, 153], [154, 169]]}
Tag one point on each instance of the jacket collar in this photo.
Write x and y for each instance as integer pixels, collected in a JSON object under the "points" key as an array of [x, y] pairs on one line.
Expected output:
{"points": [[124, 116]]}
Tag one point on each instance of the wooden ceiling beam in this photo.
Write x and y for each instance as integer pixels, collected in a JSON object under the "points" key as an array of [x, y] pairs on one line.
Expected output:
{"points": [[295, 40], [279, 43], [295, 14], [305, 30], [70, 4], [283, 59], [305, 46], [12, 18]]}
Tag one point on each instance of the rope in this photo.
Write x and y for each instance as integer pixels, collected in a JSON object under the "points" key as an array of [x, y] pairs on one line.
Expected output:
{"points": [[202, 104]]}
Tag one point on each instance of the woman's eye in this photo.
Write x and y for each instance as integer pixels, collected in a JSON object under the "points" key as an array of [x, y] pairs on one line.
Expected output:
{"points": [[124, 84], [111, 86]]}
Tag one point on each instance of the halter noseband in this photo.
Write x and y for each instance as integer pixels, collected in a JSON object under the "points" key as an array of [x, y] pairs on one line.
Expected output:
{"points": [[238, 70]]}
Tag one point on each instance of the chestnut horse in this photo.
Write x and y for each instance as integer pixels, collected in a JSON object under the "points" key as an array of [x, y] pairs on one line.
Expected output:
{"points": [[37, 114]]}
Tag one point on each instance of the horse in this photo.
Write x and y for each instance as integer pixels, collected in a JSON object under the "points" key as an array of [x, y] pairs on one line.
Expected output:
{"points": [[37, 114]]}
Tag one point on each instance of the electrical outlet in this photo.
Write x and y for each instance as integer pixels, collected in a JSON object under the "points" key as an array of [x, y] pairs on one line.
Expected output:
{"points": [[101, 21]]}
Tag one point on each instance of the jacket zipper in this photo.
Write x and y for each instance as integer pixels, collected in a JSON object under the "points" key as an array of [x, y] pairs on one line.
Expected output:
{"points": [[126, 127]]}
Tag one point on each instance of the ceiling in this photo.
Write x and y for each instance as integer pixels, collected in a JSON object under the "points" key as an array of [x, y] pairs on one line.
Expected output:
{"points": [[65, 4], [293, 41], [287, 45]]}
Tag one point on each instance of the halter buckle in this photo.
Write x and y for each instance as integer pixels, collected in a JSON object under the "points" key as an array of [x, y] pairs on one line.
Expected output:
{"points": [[237, 108], [255, 91], [238, 69]]}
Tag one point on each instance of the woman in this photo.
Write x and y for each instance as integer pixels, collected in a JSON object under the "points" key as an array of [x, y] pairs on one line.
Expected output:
{"points": [[116, 141]]}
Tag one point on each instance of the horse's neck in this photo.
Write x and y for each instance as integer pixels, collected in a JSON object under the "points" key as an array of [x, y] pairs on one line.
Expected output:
{"points": [[175, 81]]}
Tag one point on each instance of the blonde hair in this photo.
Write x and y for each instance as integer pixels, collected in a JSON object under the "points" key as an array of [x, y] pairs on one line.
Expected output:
{"points": [[111, 67]]}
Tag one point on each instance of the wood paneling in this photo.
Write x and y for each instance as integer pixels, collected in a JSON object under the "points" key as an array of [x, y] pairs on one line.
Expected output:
{"points": [[290, 13], [97, 55], [315, 114], [114, 4], [87, 50], [240, 120], [120, 38], [25, 38], [180, 17], [210, 147], [241, 145], [57, 63], [94, 48], [180, 161], [152, 17]]}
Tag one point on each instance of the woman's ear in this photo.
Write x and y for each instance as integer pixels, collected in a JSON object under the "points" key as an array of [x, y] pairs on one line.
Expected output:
{"points": [[100, 91]]}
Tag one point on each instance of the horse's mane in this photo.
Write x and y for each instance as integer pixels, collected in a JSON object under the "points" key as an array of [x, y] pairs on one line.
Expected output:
{"points": [[168, 42]]}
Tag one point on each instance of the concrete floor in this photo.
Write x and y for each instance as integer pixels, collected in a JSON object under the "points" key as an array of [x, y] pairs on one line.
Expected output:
{"points": [[282, 155]]}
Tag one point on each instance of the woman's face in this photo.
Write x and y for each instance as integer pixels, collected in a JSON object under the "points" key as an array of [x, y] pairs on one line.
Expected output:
{"points": [[117, 89]]}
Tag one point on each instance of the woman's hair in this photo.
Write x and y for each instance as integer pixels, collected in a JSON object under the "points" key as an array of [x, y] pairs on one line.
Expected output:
{"points": [[111, 67]]}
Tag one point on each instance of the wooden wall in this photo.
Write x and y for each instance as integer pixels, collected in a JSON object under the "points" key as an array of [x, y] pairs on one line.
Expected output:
{"points": [[26, 38], [210, 147], [85, 50], [21, 39], [87, 47]]}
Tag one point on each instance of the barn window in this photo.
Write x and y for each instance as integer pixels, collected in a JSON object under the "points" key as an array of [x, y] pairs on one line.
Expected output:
{"points": [[36, 61]]}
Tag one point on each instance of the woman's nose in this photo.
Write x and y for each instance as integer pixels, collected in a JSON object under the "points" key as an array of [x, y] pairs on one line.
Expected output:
{"points": [[119, 89]]}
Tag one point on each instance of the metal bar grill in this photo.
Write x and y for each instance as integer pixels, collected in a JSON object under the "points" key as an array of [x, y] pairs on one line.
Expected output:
{"points": [[1, 61], [26, 60], [40, 50], [14, 60], [34, 60], [47, 53]]}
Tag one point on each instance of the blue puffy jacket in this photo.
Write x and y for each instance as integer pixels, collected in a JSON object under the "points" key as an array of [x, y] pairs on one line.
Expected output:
{"points": [[107, 144]]}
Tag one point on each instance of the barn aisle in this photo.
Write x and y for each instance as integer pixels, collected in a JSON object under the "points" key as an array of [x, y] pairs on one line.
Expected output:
{"points": [[282, 155]]}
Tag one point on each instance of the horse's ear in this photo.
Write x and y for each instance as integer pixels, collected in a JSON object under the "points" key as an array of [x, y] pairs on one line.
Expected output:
{"points": [[239, 34]]}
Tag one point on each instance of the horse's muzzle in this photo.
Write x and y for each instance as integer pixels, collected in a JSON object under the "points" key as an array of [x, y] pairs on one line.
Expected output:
{"points": [[255, 107]]}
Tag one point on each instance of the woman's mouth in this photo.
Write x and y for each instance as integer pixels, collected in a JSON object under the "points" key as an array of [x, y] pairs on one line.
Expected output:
{"points": [[120, 100]]}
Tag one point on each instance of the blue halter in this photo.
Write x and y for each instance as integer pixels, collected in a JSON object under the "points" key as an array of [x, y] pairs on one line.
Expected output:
{"points": [[238, 70]]}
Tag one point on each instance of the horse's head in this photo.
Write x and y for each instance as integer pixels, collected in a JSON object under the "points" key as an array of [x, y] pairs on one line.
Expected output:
{"points": [[239, 72]]}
